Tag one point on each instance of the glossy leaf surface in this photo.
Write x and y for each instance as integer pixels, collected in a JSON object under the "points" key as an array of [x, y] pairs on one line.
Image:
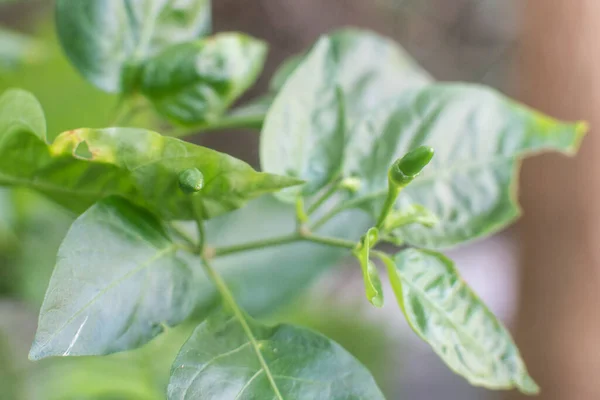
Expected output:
{"points": [[220, 361], [118, 279], [478, 136], [194, 83], [445, 312], [140, 165], [106, 40], [303, 134]]}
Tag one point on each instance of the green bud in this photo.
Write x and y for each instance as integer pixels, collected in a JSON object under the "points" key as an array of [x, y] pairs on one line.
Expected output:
{"points": [[405, 169], [352, 184], [191, 180]]}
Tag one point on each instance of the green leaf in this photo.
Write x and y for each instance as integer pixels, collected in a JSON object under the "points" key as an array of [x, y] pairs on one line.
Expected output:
{"points": [[445, 312], [479, 137], [195, 83], [303, 134], [118, 280], [17, 49], [107, 40], [140, 165], [373, 288], [220, 361]]}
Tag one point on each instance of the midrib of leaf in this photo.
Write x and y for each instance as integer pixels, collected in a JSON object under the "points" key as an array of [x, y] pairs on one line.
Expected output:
{"points": [[265, 367], [113, 284], [239, 315]]}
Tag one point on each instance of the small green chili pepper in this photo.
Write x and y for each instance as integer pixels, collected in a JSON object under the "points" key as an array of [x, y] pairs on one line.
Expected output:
{"points": [[405, 169]]}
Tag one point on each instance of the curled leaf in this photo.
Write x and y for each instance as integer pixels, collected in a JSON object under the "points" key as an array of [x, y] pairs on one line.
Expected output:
{"points": [[373, 287]]}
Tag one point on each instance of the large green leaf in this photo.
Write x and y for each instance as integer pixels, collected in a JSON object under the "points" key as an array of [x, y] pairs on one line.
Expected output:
{"points": [[85, 165], [107, 39], [303, 134], [118, 279], [194, 83], [478, 136], [220, 361], [445, 312]]}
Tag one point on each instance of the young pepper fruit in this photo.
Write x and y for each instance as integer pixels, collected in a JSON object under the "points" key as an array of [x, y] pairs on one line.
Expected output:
{"points": [[401, 173]]}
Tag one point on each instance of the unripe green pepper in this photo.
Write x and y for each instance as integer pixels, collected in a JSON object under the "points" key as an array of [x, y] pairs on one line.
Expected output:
{"points": [[405, 169], [191, 180], [401, 173]]}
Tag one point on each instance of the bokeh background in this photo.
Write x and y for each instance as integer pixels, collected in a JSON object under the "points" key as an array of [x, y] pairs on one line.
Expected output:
{"points": [[541, 277]]}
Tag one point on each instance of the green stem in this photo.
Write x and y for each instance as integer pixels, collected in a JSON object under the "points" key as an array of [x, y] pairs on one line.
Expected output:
{"points": [[330, 192], [329, 241], [278, 241], [226, 122], [345, 206], [126, 109], [222, 251], [390, 200], [325, 218], [229, 299]]}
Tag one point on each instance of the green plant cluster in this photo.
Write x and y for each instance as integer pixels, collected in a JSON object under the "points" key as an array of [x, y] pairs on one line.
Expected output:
{"points": [[172, 234]]}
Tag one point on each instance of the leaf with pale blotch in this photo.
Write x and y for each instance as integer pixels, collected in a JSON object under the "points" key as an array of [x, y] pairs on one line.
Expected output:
{"points": [[195, 83], [479, 137], [220, 361], [303, 134], [444, 311], [85, 165], [119, 279], [107, 40]]}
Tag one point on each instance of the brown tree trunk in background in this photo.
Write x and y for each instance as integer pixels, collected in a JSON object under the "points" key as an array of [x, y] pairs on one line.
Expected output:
{"points": [[559, 320]]}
